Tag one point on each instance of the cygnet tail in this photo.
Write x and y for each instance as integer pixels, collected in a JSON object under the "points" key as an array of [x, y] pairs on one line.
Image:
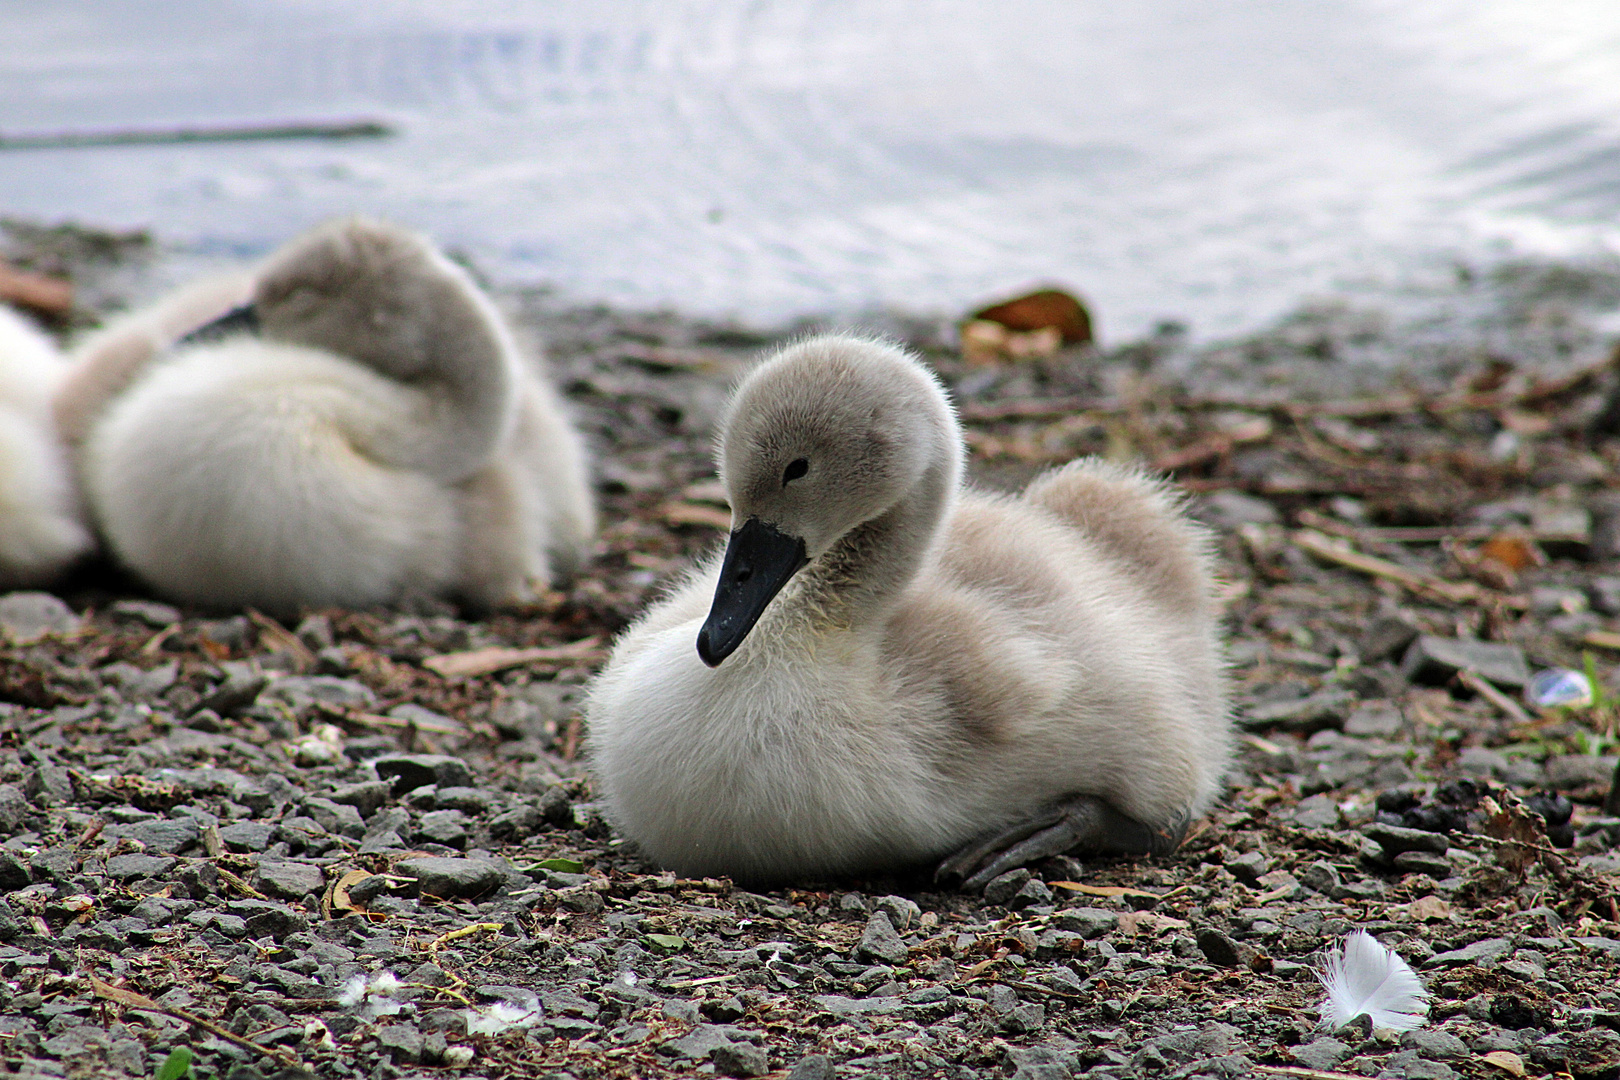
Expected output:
{"points": [[237, 475], [1139, 521]]}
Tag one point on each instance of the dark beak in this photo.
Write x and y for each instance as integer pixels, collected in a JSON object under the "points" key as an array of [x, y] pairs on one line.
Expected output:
{"points": [[240, 320], [760, 559]]}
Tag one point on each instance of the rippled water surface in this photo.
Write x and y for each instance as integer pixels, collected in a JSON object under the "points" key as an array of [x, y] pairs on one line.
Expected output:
{"points": [[1214, 161]]}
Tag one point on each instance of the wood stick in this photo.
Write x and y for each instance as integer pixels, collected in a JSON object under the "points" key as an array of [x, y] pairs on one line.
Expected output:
{"points": [[57, 140], [461, 665], [1482, 686], [1455, 592], [133, 1000], [49, 295]]}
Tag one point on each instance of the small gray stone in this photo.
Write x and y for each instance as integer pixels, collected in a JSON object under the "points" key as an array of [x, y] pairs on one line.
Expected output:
{"points": [[740, 1059], [880, 941], [133, 866], [289, 879], [162, 836], [247, 836], [813, 1067], [1325, 708], [1034, 893], [367, 797], [1317, 812], [15, 874], [400, 1043], [1480, 953], [1248, 867], [150, 612], [1394, 839], [240, 689], [1569, 772], [1435, 660], [1228, 509], [1323, 1053], [29, 616], [1381, 719], [1421, 862], [469, 800], [1435, 1045], [1220, 949], [902, 912], [1386, 636], [301, 693], [340, 819], [516, 823], [447, 827], [1003, 888], [698, 1043], [1322, 876], [411, 771], [1086, 921], [453, 878], [14, 808]]}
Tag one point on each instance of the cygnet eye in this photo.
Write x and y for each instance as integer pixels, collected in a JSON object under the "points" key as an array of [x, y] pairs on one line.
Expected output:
{"points": [[796, 468]]}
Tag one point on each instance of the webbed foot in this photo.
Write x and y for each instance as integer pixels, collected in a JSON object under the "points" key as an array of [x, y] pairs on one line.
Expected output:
{"points": [[1083, 823]]}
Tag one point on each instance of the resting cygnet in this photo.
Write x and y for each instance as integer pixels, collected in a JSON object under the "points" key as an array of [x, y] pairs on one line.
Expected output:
{"points": [[884, 669], [41, 526], [362, 430]]}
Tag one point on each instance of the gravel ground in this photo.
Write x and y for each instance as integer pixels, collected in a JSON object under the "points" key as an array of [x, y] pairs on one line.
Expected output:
{"points": [[364, 843]]}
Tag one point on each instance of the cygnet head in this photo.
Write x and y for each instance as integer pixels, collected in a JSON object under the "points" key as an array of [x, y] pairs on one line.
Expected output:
{"points": [[821, 438], [367, 290]]}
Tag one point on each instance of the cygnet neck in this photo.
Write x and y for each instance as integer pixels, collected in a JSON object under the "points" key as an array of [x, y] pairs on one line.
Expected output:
{"points": [[860, 578]]}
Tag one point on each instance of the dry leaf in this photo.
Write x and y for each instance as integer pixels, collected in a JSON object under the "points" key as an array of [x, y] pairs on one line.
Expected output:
{"points": [[1513, 822], [1506, 1060], [1426, 909], [1516, 553], [1150, 922], [338, 895], [1102, 890], [1044, 309]]}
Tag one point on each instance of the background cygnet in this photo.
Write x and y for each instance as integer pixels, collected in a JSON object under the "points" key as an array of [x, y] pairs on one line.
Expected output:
{"points": [[41, 524], [884, 670], [362, 430]]}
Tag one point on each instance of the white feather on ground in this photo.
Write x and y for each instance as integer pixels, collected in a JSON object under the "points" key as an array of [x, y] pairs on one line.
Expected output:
{"points": [[1364, 977]]}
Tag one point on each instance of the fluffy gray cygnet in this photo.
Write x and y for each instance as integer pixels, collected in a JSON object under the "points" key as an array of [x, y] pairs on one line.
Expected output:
{"points": [[348, 425], [884, 669], [42, 530]]}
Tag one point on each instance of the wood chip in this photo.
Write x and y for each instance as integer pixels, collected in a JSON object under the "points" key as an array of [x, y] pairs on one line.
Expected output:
{"points": [[461, 665], [49, 295], [686, 513]]}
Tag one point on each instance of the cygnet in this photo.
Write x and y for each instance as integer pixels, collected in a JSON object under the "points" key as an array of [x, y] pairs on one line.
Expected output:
{"points": [[42, 530], [360, 430], [883, 669]]}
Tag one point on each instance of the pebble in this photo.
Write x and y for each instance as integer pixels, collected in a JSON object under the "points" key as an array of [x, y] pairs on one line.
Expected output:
{"points": [[1479, 953], [289, 879], [411, 771], [1433, 661], [812, 1067], [880, 941], [739, 1059], [26, 617], [1003, 888], [453, 878], [1316, 812]]}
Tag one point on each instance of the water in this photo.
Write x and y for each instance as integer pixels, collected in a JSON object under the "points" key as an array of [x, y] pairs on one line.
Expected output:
{"points": [[1216, 162]]}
